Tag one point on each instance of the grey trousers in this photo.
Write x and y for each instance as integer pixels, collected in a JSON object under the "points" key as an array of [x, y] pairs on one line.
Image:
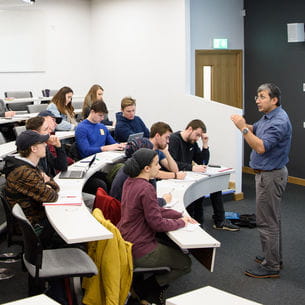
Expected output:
{"points": [[165, 256], [269, 190]]}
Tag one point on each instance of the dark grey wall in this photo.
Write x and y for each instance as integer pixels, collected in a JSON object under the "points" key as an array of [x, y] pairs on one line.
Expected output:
{"points": [[270, 58]]}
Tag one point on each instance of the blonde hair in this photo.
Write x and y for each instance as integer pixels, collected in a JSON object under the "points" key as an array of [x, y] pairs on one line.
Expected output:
{"points": [[127, 101]]}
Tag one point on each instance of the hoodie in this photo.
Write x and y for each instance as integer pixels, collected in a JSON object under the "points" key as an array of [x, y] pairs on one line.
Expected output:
{"points": [[125, 127], [25, 185]]}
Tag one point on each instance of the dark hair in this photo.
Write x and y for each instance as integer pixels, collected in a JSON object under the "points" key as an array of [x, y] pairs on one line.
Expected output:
{"points": [[160, 127], [273, 91], [34, 123], [25, 152], [99, 106], [141, 158], [136, 144], [195, 124]]}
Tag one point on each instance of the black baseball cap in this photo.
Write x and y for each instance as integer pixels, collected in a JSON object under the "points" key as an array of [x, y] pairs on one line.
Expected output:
{"points": [[28, 138], [58, 119]]}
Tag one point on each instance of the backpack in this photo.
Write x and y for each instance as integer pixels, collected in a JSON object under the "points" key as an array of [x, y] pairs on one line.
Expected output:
{"points": [[245, 220]]}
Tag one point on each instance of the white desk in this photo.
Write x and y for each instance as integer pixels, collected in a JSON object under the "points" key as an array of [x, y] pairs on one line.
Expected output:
{"points": [[17, 118], [209, 295], [75, 223], [40, 299], [10, 147], [198, 242]]}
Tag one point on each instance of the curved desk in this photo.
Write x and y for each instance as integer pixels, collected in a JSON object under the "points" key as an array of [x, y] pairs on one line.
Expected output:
{"points": [[194, 186], [73, 223]]}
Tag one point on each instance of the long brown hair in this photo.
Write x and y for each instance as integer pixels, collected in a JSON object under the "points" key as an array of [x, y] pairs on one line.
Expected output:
{"points": [[59, 99], [90, 98]]}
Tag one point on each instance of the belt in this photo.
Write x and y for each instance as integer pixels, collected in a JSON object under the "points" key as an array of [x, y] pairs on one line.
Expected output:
{"points": [[258, 171]]}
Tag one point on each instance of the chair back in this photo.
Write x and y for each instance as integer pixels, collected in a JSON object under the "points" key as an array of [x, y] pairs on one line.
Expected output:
{"points": [[32, 245], [11, 222], [2, 139], [18, 130], [37, 108], [77, 105], [48, 92], [18, 94]]}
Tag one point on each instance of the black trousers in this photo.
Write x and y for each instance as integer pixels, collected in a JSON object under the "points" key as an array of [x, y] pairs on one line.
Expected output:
{"points": [[195, 209]]}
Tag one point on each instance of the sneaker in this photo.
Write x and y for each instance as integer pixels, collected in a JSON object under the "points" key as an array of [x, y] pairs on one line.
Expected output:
{"points": [[226, 225], [261, 272], [259, 259]]}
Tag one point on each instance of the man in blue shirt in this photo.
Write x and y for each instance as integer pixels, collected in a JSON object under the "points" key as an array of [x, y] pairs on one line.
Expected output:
{"points": [[270, 140], [93, 137]]}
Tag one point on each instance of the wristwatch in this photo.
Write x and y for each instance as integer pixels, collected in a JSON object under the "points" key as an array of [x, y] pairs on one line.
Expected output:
{"points": [[245, 130]]}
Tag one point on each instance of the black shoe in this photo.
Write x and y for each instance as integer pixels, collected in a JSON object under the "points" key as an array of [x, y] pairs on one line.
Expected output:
{"points": [[5, 274], [226, 225], [259, 259], [261, 272]]}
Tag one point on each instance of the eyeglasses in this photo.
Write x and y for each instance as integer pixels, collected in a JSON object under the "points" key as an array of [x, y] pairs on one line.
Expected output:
{"points": [[260, 97]]}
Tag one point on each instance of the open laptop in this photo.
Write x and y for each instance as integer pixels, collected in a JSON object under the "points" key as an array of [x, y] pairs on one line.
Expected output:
{"points": [[77, 173], [135, 136]]}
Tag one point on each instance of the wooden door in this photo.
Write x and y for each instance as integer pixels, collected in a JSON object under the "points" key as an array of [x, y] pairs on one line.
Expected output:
{"points": [[226, 75]]}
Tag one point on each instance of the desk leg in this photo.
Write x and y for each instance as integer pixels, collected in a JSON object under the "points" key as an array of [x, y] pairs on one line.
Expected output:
{"points": [[206, 256]]}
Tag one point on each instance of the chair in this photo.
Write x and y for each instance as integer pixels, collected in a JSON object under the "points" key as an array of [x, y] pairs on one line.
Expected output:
{"points": [[45, 265], [12, 234], [18, 130], [37, 108], [2, 139], [48, 92], [18, 94], [77, 105]]}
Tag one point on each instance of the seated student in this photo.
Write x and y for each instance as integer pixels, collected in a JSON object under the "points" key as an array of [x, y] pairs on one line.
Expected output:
{"points": [[93, 137], [6, 130], [49, 164], [4, 112], [94, 94], [127, 122], [185, 150], [121, 176], [61, 106], [142, 218], [27, 185], [159, 137]]}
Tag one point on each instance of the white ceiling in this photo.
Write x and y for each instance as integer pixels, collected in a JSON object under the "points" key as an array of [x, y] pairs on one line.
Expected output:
{"points": [[7, 4]]}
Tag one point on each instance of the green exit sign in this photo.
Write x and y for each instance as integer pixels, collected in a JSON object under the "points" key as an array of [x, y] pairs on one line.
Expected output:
{"points": [[220, 43]]}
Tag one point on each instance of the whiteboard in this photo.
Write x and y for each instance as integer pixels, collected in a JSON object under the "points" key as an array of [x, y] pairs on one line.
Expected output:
{"points": [[22, 41]]}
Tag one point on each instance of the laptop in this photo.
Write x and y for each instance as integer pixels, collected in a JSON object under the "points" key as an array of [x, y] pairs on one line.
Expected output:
{"points": [[135, 136], [77, 173]]}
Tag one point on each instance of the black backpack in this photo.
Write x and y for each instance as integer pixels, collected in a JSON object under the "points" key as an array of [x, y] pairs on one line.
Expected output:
{"points": [[245, 220]]}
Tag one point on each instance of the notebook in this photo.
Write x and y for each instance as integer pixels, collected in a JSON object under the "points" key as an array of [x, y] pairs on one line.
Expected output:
{"points": [[76, 173], [135, 136]]}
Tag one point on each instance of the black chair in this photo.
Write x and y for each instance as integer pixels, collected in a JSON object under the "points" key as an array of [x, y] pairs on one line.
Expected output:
{"points": [[18, 106], [48, 92], [47, 265], [13, 236]]}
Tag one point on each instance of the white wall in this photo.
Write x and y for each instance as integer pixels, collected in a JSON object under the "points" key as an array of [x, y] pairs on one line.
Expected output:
{"points": [[68, 47], [141, 51], [215, 19]]}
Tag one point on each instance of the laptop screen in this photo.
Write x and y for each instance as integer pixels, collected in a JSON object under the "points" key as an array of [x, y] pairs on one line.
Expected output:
{"points": [[135, 136]]}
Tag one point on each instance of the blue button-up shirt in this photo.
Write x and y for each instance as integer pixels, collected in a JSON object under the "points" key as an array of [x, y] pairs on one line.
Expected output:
{"points": [[274, 128]]}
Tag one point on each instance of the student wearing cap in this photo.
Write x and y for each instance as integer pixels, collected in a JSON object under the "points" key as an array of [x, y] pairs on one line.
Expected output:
{"points": [[27, 185], [45, 123], [142, 218]]}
